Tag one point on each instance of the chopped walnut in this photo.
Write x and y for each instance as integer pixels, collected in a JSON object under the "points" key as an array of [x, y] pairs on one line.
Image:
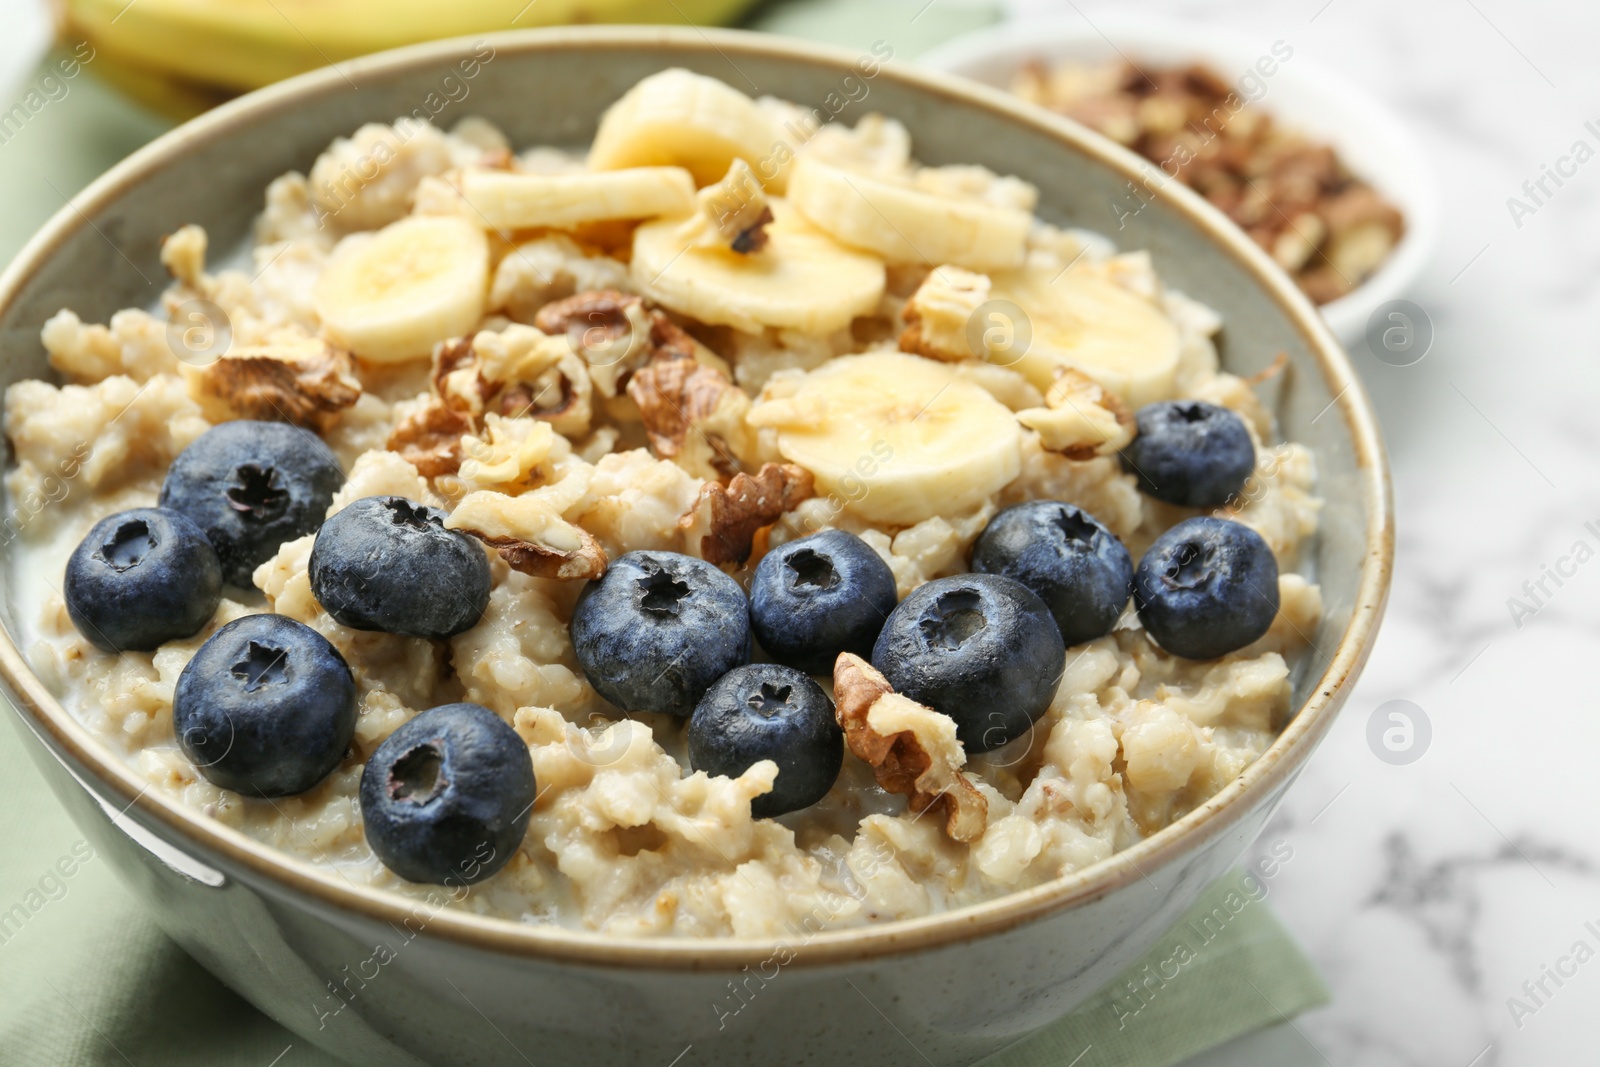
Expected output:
{"points": [[694, 414], [615, 334], [509, 456], [673, 395], [457, 376], [512, 372], [939, 312], [530, 535], [530, 374], [912, 749], [724, 519], [733, 213], [430, 438], [611, 312], [305, 382], [1293, 196], [1081, 419]]}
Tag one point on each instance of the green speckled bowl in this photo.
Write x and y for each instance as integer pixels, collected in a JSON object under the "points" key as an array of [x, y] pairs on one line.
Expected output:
{"points": [[456, 988]]}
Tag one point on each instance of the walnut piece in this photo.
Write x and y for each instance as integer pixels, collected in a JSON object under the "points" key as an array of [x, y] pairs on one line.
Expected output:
{"points": [[1293, 196], [912, 749], [530, 535], [430, 438], [513, 372], [673, 395], [940, 311], [615, 334], [457, 376], [1081, 418], [307, 383], [724, 519], [733, 213]]}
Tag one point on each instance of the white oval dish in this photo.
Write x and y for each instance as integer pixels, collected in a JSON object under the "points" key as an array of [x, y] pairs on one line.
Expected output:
{"points": [[1373, 141]]}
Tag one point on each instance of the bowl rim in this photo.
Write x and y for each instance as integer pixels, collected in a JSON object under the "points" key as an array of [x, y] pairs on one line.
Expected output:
{"points": [[1041, 35], [267, 868]]}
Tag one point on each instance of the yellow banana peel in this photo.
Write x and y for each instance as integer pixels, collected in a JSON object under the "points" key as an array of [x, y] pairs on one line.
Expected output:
{"points": [[178, 99], [238, 45]]}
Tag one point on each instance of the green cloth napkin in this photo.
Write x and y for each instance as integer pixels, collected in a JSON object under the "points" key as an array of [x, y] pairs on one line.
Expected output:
{"points": [[88, 980]]}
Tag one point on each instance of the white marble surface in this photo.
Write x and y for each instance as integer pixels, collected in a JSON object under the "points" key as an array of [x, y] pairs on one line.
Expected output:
{"points": [[1429, 893]]}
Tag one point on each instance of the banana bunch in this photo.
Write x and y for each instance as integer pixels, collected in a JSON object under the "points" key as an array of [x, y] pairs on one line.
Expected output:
{"points": [[182, 56]]}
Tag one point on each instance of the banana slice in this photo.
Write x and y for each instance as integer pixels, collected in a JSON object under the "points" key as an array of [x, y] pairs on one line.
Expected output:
{"points": [[1082, 320], [414, 283], [897, 438], [800, 279], [504, 200], [688, 120], [849, 184]]}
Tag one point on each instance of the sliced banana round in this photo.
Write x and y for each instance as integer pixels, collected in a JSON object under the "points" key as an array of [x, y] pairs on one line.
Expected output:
{"points": [[506, 200], [677, 118], [851, 184], [800, 280], [1081, 319], [896, 438], [414, 283]]}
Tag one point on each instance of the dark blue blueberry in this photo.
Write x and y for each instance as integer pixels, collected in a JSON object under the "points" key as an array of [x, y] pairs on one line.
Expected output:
{"points": [[1063, 553], [387, 563], [1190, 452], [980, 648], [251, 486], [1207, 587], [142, 578], [447, 797], [658, 629], [819, 596], [266, 708], [769, 711]]}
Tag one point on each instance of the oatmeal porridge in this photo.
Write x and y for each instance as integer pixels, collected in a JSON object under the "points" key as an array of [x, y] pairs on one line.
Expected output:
{"points": [[676, 537]]}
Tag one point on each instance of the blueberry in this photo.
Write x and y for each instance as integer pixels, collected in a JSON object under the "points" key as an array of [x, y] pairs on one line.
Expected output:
{"points": [[980, 648], [142, 578], [1066, 556], [819, 596], [251, 486], [769, 711], [1190, 452], [658, 629], [1206, 587], [266, 708], [447, 797], [387, 563]]}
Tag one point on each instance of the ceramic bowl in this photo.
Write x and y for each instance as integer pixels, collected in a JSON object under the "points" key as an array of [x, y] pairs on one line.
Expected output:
{"points": [[375, 977], [1368, 136]]}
